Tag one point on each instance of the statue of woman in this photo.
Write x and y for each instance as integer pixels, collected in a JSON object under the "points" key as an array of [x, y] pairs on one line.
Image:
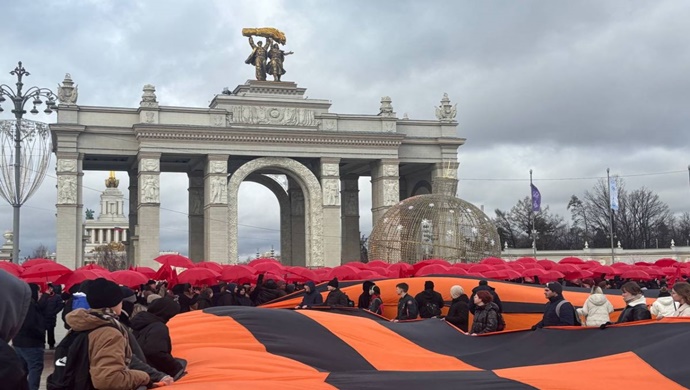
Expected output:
{"points": [[277, 58]]}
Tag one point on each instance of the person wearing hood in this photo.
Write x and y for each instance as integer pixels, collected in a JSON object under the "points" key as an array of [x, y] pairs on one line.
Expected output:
{"points": [[335, 296], [51, 304], [129, 298], [484, 285], [429, 302], [226, 296], [485, 315], [311, 297], [664, 306], [459, 312], [241, 296], [110, 348], [153, 336], [365, 297], [266, 292], [376, 305], [204, 301], [636, 308], [597, 307], [15, 301], [29, 342], [558, 311], [186, 297]]}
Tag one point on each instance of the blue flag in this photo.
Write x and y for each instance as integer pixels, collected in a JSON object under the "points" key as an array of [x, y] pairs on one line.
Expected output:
{"points": [[536, 199], [613, 193]]}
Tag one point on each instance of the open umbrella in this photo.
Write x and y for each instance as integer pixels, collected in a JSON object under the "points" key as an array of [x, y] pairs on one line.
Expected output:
{"points": [[551, 276], [146, 271], [269, 266], [378, 263], [571, 260], [174, 260], [210, 265], [32, 262], [605, 269], [11, 268], [237, 273], [532, 272], [91, 267], [344, 272], [357, 264], [666, 262], [516, 266], [129, 278], [492, 260], [547, 264], [564, 268], [621, 265], [260, 260], [367, 274], [480, 268], [524, 260], [78, 276], [197, 276], [636, 275], [301, 274], [45, 270], [404, 269], [432, 269], [578, 274]]}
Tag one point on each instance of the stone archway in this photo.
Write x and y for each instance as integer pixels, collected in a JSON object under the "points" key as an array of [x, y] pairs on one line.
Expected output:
{"points": [[422, 187], [312, 198], [284, 204]]}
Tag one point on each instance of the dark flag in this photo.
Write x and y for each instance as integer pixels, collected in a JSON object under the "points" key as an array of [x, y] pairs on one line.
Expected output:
{"points": [[536, 199]]}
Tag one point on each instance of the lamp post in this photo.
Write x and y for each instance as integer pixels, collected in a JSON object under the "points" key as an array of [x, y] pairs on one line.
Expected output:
{"points": [[20, 193]]}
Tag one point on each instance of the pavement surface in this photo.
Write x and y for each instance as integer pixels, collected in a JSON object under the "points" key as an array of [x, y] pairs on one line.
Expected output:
{"points": [[49, 357]]}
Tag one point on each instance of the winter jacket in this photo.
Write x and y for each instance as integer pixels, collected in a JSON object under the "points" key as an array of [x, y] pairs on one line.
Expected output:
{"points": [[227, 297], [153, 337], [267, 292], [312, 298], [407, 308], [485, 319], [337, 298], [636, 310], [564, 317], [203, 303], [365, 298], [496, 300], [14, 304], [32, 332], [186, 302], [426, 300], [459, 312], [596, 310], [109, 353], [50, 306], [243, 300], [663, 307], [376, 304], [682, 311]]}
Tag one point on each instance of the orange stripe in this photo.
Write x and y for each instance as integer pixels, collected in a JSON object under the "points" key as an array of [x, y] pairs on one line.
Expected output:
{"points": [[221, 352], [628, 369], [383, 348]]}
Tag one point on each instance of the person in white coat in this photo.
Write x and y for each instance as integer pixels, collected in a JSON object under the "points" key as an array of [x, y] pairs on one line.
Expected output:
{"points": [[596, 309], [681, 294], [664, 306]]}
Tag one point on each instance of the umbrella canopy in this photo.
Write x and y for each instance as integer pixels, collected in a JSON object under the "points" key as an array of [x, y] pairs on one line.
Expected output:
{"points": [[524, 260], [301, 274], [378, 263], [45, 270], [532, 272], [551, 276], [32, 262], [403, 269], [457, 271], [175, 261], [91, 267], [432, 269], [263, 260], [11, 268], [480, 268], [367, 274], [344, 272], [129, 278], [424, 263], [636, 275], [564, 268], [605, 269], [579, 274], [547, 264], [237, 273], [666, 262], [492, 260], [590, 264], [210, 265], [516, 266], [197, 276], [571, 260], [507, 274], [146, 271], [78, 276], [621, 265], [269, 266], [357, 264]]}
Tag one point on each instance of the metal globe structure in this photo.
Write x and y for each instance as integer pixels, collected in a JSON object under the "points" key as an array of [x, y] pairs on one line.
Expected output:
{"points": [[434, 226]]}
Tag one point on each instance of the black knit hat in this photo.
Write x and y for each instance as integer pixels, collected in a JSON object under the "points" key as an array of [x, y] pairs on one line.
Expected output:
{"points": [[555, 287], [102, 293], [428, 285], [333, 282]]}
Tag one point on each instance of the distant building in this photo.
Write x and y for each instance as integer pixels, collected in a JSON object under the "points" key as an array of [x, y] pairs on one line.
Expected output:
{"points": [[112, 225]]}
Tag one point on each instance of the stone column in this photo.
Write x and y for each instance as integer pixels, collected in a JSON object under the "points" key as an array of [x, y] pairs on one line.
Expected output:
{"points": [[93, 236], [69, 210], [349, 211], [148, 209], [330, 185], [297, 228], [196, 215], [124, 234], [385, 187], [444, 178], [116, 233], [216, 209], [133, 239], [100, 236], [108, 236]]}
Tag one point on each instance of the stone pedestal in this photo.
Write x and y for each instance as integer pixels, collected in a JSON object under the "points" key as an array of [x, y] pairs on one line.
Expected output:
{"points": [[148, 209], [330, 187], [216, 209], [196, 215], [385, 187], [350, 218], [69, 246]]}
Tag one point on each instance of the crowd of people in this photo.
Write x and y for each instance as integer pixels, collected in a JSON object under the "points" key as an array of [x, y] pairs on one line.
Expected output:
{"points": [[129, 347]]}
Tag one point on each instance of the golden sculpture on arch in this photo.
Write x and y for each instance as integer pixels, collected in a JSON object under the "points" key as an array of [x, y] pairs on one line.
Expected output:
{"points": [[268, 58]]}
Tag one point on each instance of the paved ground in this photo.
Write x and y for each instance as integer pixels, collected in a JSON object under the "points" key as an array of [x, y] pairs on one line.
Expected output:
{"points": [[48, 360]]}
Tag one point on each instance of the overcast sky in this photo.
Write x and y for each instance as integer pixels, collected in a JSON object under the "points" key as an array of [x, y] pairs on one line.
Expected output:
{"points": [[564, 88]]}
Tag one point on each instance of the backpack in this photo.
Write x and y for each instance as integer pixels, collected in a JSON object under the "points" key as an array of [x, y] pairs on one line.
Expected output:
{"points": [[432, 309], [501, 322], [72, 363], [578, 321]]}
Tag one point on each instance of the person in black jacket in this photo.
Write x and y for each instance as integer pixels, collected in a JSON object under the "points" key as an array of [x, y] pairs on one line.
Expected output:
{"points": [[486, 314], [266, 292], [335, 296], [365, 297], [185, 296], [636, 308], [484, 285], [204, 301], [459, 312], [242, 298], [407, 306], [226, 296], [429, 302], [558, 311], [29, 342], [153, 337], [51, 304], [14, 304], [311, 297]]}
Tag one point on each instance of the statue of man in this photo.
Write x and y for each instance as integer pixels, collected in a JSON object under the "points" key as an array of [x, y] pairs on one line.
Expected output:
{"points": [[277, 57], [258, 57]]}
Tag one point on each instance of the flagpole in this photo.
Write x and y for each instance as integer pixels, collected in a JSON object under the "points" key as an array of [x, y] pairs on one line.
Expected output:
{"points": [[531, 196], [608, 186]]}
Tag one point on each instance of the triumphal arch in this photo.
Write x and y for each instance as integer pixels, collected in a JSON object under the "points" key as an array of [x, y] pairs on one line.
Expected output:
{"points": [[254, 132]]}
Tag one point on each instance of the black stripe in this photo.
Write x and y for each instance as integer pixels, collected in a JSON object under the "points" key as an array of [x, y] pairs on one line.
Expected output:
{"points": [[294, 336], [427, 380]]}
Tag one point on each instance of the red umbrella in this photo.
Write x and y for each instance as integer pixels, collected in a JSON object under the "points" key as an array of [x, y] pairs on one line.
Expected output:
{"points": [[605, 269], [620, 265], [378, 263], [385, 272], [547, 264], [532, 272], [78, 276], [432, 269], [91, 267], [146, 271], [403, 269], [492, 260], [635, 274], [666, 262], [579, 274], [516, 266], [197, 276], [564, 268], [551, 276], [344, 272], [357, 264], [571, 260], [267, 276], [174, 260], [480, 268], [301, 274], [129, 278], [11, 268], [524, 260], [269, 266], [457, 271], [496, 274], [210, 265], [589, 264], [260, 260], [32, 262], [367, 274], [424, 263], [643, 264], [237, 273], [45, 270]]}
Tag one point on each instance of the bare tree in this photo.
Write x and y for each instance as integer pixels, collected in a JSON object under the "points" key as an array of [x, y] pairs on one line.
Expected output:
{"points": [[111, 256], [40, 252], [516, 226]]}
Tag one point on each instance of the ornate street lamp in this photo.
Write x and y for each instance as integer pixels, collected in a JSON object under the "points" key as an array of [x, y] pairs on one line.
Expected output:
{"points": [[21, 175]]}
